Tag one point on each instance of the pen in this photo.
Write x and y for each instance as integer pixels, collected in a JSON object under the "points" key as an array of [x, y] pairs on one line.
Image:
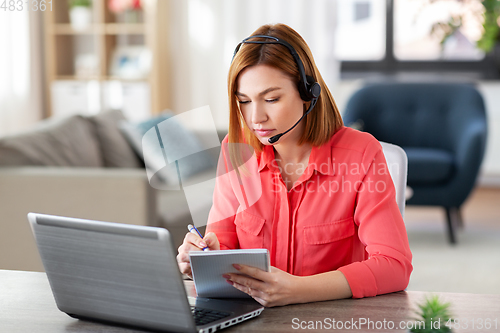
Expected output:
{"points": [[192, 229]]}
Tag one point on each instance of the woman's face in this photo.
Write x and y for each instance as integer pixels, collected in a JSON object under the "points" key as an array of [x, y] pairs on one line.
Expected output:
{"points": [[270, 103]]}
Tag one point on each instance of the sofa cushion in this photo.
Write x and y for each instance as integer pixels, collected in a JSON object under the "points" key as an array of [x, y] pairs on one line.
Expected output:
{"points": [[55, 142], [428, 165], [115, 149]]}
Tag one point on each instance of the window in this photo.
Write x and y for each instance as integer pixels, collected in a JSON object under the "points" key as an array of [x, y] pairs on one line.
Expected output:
{"points": [[420, 25], [412, 38], [360, 31]]}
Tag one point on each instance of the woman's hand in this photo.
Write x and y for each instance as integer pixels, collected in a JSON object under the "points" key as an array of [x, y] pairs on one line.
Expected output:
{"points": [[193, 242], [272, 288]]}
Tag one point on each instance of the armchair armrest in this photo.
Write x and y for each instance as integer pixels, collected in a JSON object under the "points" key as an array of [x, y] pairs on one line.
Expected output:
{"points": [[469, 153], [115, 195]]}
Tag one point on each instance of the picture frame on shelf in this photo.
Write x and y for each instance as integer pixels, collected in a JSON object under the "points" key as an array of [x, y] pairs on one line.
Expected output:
{"points": [[130, 62]]}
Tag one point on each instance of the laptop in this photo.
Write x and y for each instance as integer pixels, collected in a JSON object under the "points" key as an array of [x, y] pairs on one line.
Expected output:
{"points": [[127, 275]]}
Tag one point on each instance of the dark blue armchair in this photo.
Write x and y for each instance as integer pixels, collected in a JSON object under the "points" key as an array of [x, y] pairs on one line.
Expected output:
{"points": [[442, 127]]}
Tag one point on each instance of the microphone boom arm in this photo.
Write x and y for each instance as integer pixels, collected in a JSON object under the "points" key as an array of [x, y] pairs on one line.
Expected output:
{"points": [[276, 137]]}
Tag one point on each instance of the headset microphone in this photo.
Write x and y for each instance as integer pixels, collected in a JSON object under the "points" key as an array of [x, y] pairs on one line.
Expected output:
{"points": [[309, 89], [276, 137]]}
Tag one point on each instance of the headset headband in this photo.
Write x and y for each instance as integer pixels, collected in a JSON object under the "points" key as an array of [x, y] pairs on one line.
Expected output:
{"points": [[275, 40]]}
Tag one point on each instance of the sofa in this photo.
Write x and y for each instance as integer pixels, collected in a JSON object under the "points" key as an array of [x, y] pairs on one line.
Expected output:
{"points": [[82, 167]]}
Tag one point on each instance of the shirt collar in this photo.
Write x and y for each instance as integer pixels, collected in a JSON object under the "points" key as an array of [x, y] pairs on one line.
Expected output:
{"points": [[266, 157], [319, 160]]}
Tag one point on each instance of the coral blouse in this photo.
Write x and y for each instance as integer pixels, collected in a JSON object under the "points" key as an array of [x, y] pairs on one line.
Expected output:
{"points": [[340, 215]]}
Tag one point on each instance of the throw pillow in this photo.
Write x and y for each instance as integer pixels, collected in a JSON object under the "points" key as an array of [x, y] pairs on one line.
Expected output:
{"points": [[67, 141], [115, 149]]}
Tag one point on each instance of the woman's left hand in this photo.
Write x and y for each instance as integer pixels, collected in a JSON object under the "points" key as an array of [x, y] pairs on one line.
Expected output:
{"points": [[272, 288]]}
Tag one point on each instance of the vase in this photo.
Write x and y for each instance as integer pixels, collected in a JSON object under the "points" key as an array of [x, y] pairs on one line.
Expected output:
{"points": [[129, 16], [80, 17]]}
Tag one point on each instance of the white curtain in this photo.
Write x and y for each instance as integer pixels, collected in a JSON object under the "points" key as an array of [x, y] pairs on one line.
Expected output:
{"points": [[21, 61], [204, 34]]}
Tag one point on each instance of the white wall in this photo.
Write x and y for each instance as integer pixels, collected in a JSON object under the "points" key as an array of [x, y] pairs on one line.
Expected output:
{"points": [[491, 164], [205, 33]]}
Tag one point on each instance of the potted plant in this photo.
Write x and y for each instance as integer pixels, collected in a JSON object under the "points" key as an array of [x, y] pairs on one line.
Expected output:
{"points": [[489, 12], [491, 27], [80, 14], [434, 315], [126, 11]]}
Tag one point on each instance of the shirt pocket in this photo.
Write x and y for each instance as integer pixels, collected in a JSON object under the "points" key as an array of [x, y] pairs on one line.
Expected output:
{"points": [[249, 230], [327, 246]]}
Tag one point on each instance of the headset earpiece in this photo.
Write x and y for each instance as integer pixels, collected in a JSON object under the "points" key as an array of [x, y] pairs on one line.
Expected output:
{"points": [[309, 90], [314, 88]]}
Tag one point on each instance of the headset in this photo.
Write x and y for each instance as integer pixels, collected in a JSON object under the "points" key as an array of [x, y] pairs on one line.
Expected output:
{"points": [[309, 89]]}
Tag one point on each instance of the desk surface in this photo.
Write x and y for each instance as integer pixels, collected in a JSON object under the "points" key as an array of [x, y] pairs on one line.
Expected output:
{"points": [[27, 305]]}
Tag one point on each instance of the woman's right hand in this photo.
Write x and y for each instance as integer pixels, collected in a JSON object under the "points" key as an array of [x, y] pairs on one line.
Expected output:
{"points": [[193, 242]]}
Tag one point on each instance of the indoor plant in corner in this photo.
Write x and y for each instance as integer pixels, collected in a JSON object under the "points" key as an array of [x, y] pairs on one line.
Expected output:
{"points": [[488, 12], [491, 29], [80, 14], [490, 38]]}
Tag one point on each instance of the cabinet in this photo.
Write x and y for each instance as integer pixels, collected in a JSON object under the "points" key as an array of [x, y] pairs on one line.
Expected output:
{"points": [[114, 61]]}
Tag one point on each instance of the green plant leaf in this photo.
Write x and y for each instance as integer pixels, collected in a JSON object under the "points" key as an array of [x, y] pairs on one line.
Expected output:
{"points": [[79, 3], [431, 311]]}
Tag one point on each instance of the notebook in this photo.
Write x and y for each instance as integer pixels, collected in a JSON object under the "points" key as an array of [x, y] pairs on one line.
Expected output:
{"points": [[127, 275], [208, 267]]}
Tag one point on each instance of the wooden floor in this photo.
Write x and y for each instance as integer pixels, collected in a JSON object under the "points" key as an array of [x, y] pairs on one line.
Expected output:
{"points": [[472, 265], [482, 209]]}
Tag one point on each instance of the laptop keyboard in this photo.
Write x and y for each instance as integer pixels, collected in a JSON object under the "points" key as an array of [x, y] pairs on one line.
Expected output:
{"points": [[206, 316]]}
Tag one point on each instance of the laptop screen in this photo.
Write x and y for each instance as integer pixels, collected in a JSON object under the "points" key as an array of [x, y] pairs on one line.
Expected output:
{"points": [[113, 272]]}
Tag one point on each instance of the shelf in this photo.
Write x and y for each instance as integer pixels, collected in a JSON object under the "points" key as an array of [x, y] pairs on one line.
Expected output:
{"points": [[108, 29], [119, 78], [99, 78], [125, 28], [78, 78], [92, 51], [67, 29]]}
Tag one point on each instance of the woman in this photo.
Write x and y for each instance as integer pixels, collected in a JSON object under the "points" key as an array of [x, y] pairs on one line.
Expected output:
{"points": [[326, 209]]}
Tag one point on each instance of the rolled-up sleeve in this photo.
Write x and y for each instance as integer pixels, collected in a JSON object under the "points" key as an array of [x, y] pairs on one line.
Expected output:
{"points": [[382, 231]]}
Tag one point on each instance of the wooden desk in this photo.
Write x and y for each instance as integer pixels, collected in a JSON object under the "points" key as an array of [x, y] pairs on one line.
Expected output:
{"points": [[27, 305]]}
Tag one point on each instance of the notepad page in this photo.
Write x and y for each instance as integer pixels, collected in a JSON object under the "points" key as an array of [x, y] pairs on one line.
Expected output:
{"points": [[208, 267]]}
